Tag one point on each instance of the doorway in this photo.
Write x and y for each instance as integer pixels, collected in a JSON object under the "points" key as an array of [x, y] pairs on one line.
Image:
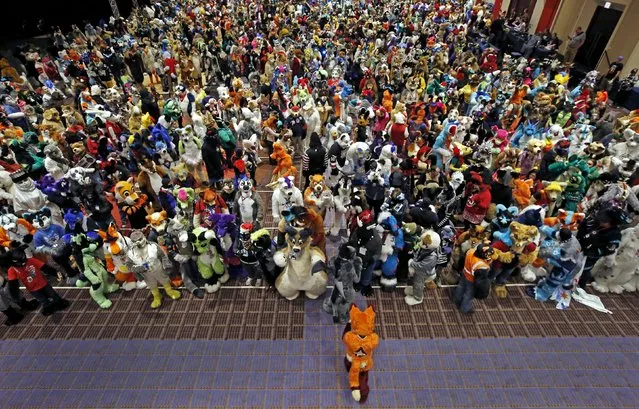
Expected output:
{"points": [[521, 7], [601, 27]]}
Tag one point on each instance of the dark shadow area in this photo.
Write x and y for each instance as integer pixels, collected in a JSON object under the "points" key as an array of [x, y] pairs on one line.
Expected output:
{"points": [[34, 18]]}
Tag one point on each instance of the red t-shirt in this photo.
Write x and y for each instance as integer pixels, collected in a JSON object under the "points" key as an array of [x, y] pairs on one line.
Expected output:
{"points": [[398, 134], [205, 210], [30, 274]]}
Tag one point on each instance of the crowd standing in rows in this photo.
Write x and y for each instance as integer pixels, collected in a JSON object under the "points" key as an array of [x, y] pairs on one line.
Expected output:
{"points": [[130, 151]]}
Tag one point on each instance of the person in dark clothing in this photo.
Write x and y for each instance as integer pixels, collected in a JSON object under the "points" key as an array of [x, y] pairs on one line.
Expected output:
{"points": [[211, 155], [314, 159], [296, 123], [115, 64], [500, 191], [560, 150], [625, 87], [149, 105], [481, 169], [135, 63], [599, 236], [612, 75], [497, 32]]}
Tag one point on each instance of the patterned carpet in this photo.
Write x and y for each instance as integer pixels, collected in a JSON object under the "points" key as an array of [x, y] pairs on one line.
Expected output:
{"points": [[258, 314], [249, 348]]}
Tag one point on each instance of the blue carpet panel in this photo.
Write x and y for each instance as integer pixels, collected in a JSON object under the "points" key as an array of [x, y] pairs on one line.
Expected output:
{"points": [[469, 373]]}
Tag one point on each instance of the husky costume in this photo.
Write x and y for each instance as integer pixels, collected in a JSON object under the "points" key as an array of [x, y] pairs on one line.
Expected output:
{"points": [[422, 266], [180, 249], [49, 240], [285, 196], [248, 205]]}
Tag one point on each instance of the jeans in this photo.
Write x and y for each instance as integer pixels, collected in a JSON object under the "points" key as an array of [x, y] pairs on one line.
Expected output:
{"points": [[463, 297], [367, 274], [500, 273]]}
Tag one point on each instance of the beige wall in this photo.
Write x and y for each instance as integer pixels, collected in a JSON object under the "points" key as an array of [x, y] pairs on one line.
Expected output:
{"points": [[631, 62], [624, 40], [504, 5], [626, 36], [566, 22], [536, 15]]}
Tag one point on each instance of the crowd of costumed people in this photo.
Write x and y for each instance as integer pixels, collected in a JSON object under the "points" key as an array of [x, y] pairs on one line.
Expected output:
{"points": [[401, 133]]}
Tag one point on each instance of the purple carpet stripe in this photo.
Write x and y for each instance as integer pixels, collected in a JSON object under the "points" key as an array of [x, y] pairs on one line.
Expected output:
{"points": [[477, 373]]}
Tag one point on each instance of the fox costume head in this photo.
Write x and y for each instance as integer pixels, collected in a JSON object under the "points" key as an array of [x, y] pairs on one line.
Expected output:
{"points": [[362, 322]]}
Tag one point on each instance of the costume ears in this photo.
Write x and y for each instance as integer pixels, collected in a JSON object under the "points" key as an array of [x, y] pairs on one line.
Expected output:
{"points": [[368, 309]]}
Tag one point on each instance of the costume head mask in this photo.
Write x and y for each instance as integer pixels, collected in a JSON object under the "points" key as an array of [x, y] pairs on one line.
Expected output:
{"points": [[157, 220], [40, 219], [18, 257], [138, 239], [8, 221], [124, 193], [73, 217], [209, 196], [81, 175], [245, 186], [362, 322], [22, 181]]}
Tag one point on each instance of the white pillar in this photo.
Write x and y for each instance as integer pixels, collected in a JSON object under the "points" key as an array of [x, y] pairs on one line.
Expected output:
{"points": [[504, 5], [114, 8], [536, 15]]}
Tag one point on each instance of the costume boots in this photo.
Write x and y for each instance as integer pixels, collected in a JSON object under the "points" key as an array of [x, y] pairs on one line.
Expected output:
{"points": [[501, 291], [410, 297], [157, 298], [13, 316], [97, 293], [174, 294]]}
